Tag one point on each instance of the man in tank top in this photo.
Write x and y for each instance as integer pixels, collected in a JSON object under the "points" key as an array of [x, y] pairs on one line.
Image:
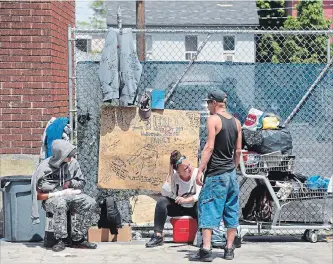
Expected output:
{"points": [[218, 198]]}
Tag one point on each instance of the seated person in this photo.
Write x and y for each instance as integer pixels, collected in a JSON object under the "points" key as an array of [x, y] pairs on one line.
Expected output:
{"points": [[59, 181], [181, 201]]}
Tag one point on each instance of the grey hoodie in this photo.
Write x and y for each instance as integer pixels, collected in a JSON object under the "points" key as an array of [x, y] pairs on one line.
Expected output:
{"points": [[52, 173]]}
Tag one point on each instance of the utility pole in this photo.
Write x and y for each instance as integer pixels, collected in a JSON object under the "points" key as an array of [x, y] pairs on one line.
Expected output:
{"points": [[140, 24]]}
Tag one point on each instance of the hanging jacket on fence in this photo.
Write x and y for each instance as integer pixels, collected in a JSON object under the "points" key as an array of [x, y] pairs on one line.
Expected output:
{"points": [[110, 216], [120, 69]]}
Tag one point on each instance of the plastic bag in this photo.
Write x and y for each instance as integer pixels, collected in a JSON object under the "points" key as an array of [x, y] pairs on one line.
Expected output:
{"points": [[252, 140], [317, 182], [276, 140], [253, 120], [270, 122]]}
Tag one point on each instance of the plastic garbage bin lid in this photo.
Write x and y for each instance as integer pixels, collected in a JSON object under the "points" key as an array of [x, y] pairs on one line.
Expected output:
{"points": [[15, 178]]}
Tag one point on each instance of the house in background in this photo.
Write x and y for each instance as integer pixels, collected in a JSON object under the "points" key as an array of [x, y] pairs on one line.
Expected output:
{"points": [[88, 47], [192, 15]]}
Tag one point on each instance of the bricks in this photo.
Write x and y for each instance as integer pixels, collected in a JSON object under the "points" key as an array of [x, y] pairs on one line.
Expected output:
{"points": [[33, 70], [10, 98], [44, 104], [38, 131], [19, 104], [6, 124], [32, 151], [22, 131], [36, 144], [11, 137], [6, 117], [12, 85], [11, 111], [4, 144], [5, 91], [33, 111], [20, 12], [22, 117], [4, 131], [31, 124], [24, 144], [32, 137], [11, 151], [22, 91]]}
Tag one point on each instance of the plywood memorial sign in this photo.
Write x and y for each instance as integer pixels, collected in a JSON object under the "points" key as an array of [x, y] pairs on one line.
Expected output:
{"points": [[134, 154]]}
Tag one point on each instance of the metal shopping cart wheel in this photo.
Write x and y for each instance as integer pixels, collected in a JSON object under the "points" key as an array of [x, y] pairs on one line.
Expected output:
{"points": [[310, 235]]}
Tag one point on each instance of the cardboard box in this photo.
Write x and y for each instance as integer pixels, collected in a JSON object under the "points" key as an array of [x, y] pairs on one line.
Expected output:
{"points": [[104, 235]]}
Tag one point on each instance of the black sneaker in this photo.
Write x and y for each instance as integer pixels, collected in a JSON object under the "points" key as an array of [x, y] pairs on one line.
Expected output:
{"points": [[237, 242], [155, 241], [203, 255], [229, 253], [84, 244], [60, 246]]}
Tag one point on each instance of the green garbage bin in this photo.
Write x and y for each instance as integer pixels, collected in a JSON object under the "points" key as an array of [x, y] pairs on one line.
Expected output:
{"points": [[17, 203]]}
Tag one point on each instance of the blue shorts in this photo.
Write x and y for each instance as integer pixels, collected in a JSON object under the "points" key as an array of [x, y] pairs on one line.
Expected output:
{"points": [[218, 200]]}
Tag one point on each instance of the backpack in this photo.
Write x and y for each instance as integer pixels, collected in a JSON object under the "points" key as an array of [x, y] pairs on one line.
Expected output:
{"points": [[110, 216], [265, 209], [259, 206]]}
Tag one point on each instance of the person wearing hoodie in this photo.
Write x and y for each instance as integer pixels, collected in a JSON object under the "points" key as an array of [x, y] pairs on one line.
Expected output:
{"points": [[59, 182]]}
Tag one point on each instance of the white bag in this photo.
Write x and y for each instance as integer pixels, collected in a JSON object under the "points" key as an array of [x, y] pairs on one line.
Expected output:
{"points": [[253, 120]]}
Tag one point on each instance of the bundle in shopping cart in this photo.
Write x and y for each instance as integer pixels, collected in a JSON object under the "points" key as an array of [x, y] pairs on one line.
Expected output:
{"points": [[262, 134], [257, 163]]}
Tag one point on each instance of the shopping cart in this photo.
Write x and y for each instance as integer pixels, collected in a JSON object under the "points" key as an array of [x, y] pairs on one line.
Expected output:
{"points": [[284, 194]]}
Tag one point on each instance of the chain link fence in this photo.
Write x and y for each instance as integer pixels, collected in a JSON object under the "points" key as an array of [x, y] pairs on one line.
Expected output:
{"points": [[270, 70]]}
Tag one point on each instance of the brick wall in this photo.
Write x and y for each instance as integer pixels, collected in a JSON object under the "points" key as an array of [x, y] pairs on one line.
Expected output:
{"points": [[33, 70]]}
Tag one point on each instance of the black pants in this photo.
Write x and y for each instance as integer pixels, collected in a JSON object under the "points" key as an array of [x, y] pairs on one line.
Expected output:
{"points": [[168, 207]]}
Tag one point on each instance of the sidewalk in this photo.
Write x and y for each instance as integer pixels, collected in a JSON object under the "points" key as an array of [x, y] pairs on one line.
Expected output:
{"points": [[135, 252]]}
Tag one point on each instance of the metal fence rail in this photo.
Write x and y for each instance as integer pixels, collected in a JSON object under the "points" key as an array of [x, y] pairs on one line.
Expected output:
{"points": [[271, 70]]}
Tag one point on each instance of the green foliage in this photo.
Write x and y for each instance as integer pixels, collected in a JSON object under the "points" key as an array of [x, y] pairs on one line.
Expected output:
{"points": [[271, 13], [98, 20], [298, 48]]}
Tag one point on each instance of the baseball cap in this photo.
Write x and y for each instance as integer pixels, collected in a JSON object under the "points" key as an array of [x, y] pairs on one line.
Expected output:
{"points": [[217, 96]]}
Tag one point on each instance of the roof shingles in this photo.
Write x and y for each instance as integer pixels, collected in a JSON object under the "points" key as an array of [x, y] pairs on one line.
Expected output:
{"points": [[186, 13]]}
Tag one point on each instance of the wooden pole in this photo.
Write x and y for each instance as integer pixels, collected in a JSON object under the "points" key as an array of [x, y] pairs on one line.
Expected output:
{"points": [[140, 24]]}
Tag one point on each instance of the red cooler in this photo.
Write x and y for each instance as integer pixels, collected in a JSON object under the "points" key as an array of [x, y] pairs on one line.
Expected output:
{"points": [[184, 229]]}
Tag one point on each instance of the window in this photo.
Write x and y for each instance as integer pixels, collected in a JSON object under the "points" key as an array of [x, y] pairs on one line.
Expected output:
{"points": [[149, 46], [191, 47], [83, 44], [229, 43]]}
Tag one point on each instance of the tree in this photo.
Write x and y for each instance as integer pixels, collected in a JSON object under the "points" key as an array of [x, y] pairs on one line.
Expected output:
{"points": [[271, 13], [271, 16], [98, 20], [298, 48], [305, 48]]}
